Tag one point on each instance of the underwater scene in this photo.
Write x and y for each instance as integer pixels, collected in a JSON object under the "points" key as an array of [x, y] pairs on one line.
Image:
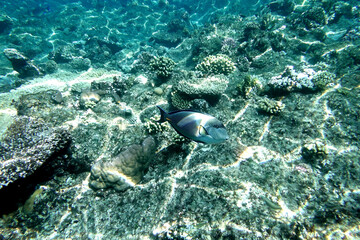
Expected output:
{"points": [[179, 119]]}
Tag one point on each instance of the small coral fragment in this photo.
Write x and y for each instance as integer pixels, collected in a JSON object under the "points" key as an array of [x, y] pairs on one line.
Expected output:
{"points": [[89, 99], [270, 106], [314, 150]]}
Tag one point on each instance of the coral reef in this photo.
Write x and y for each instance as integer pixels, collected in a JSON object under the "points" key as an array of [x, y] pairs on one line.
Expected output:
{"points": [[124, 170], [284, 173]]}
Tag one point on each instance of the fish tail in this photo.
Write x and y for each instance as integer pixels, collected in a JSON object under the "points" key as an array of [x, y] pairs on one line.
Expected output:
{"points": [[163, 115]]}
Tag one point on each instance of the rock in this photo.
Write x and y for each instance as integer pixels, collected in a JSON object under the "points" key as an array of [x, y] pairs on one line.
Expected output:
{"points": [[22, 64], [50, 66], [63, 54], [5, 24], [80, 64], [283, 7], [166, 39], [158, 91]]}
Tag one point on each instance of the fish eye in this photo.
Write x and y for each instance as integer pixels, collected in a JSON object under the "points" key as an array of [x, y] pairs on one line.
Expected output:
{"points": [[202, 131]]}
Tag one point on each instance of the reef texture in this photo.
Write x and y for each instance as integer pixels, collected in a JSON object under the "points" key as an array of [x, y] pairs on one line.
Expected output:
{"points": [[283, 76]]}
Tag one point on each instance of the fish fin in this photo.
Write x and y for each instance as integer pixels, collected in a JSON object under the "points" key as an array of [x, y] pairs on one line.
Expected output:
{"points": [[185, 110], [163, 115]]}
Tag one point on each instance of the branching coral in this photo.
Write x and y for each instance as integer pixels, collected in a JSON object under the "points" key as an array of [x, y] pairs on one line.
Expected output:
{"points": [[216, 64], [308, 80], [162, 66]]}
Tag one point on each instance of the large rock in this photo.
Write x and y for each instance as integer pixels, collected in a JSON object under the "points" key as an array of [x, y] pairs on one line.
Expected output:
{"points": [[20, 63], [28, 143]]}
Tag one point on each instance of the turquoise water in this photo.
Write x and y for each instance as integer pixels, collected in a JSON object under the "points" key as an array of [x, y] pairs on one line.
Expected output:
{"points": [[83, 156]]}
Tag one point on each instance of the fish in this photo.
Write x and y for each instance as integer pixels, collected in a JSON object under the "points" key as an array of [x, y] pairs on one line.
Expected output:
{"points": [[199, 127]]}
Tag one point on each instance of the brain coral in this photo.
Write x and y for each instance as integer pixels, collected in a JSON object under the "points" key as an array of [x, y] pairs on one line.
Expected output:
{"points": [[125, 169]]}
